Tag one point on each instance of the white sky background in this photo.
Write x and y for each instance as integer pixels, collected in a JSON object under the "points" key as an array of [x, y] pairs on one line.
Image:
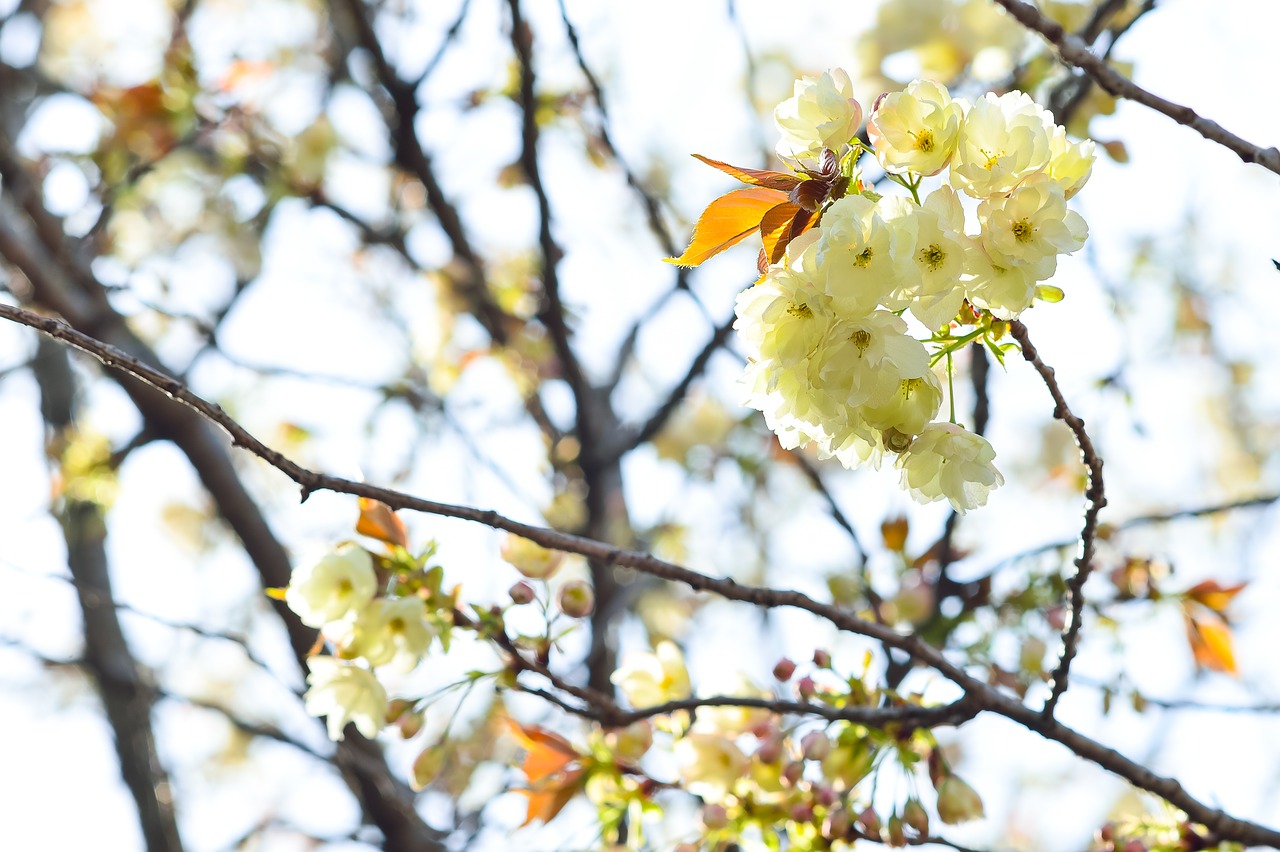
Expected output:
{"points": [[673, 75]]}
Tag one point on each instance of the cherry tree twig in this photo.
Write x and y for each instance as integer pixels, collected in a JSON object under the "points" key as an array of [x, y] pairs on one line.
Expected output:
{"points": [[1075, 52], [1095, 499], [978, 692]]}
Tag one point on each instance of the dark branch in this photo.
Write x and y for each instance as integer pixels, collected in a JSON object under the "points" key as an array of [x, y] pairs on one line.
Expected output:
{"points": [[1095, 499]]}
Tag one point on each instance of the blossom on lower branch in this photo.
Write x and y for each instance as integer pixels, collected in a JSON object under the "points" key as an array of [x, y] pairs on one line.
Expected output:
{"points": [[946, 461], [345, 692]]}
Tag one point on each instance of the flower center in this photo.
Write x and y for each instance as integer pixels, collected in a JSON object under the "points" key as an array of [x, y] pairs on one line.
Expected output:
{"points": [[909, 387], [1023, 231], [924, 141], [864, 258], [861, 339], [800, 310], [932, 257]]}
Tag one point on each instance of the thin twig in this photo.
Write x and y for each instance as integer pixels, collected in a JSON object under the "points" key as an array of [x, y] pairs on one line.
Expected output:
{"points": [[1095, 499], [1075, 52], [662, 414]]}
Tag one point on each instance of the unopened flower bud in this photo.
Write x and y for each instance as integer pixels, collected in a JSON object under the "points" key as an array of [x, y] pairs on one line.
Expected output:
{"points": [[770, 749], [897, 836], [869, 822], [957, 801], [530, 558], [894, 532], [822, 659], [793, 772], [714, 816], [410, 724], [915, 816], [631, 743], [577, 599], [805, 687], [521, 593], [825, 795], [784, 669], [815, 745], [837, 824], [801, 812]]}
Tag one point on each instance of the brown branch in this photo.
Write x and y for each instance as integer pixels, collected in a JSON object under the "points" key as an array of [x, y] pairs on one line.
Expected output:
{"points": [[1095, 499], [126, 696], [552, 313], [1075, 52], [984, 696]]}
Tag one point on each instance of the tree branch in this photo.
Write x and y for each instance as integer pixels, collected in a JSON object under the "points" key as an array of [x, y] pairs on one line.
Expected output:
{"points": [[1095, 499], [1075, 52]]}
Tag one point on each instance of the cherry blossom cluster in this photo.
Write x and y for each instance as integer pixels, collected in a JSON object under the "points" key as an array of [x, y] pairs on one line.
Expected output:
{"points": [[831, 359], [370, 618]]}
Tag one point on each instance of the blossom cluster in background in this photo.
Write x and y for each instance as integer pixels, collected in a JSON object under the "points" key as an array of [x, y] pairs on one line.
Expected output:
{"points": [[339, 594], [831, 358]]}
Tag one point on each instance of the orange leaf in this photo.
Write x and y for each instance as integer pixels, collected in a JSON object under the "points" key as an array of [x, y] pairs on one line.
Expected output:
{"points": [[727, 221], [775, 229], [378, 521], [546, 800], [1210, 638], [546, 754], [1214, 595], [755, 177]]}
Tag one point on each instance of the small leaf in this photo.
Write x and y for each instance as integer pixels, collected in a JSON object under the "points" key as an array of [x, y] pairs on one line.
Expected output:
{"points": [[546, 753], [548, 757], [377, 520], [727, 221], [1214, 595], [1210, 638], [546, 800], [1049, 293], [755, 177], [427, 767], [1116, 150]]}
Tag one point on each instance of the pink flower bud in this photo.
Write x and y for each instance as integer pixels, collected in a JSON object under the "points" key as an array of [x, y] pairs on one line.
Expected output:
{"points": [[714, 816], [521, 593], [805, 687], [770, 749], [784, 669], [822, 659], [815, 745], [869, 821]]}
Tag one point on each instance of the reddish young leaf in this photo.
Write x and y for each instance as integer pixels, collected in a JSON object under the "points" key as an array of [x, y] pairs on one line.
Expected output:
{"points": [[548, 757], [547, 799], [755, 177], [546, 753], [1214, 595], [775, 229], [378, 521], [1210, 638], [727, 221]]}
